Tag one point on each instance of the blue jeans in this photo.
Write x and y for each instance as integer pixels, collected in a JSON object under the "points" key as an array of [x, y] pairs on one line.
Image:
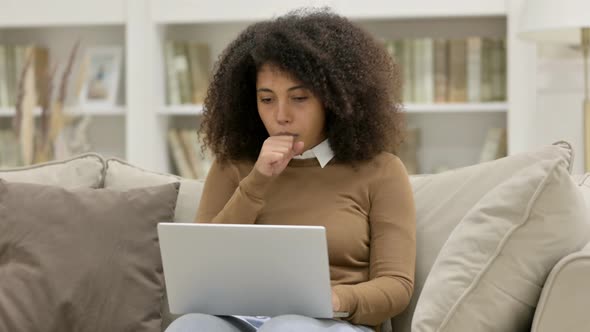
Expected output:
{"points": [[285, 323]]}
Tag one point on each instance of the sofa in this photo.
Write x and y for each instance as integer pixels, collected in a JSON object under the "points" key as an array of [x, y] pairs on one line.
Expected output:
{"points": [[501, 246]]}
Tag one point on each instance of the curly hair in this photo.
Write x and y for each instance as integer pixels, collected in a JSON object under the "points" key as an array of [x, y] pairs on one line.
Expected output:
{"points": [[351, 73]]}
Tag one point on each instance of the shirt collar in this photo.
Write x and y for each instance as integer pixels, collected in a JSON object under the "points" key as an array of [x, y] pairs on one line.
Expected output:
{"points": [[323, 152]]}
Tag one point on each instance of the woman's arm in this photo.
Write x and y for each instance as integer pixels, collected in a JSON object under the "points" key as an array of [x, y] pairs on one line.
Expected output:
{"points": [[227, 199], [393, 252]]}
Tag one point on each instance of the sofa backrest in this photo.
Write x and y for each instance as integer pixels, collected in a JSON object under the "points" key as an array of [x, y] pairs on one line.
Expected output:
{"points": [[441, 199]]}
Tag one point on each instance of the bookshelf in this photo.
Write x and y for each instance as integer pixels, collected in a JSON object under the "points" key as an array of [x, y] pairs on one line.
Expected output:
{"points": [[72, 111], [36, 13], [181, 110], [136, 128], [469, 108], [59, 34]]}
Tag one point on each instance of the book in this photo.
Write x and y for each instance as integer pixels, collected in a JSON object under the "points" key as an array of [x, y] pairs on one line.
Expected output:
{"points": [[458, 71], [423, 71], [494, 146], [4, 102], [181, 67], [12, 61], [474, 69], [441, 70], [187, 72], [497, 63], [205, 156], [427, 59], [486, 90], [190, 152], [407, 63], [178, 156], [419, 71], [173, 91], [199, 57], [408, 151], [40, 64]]}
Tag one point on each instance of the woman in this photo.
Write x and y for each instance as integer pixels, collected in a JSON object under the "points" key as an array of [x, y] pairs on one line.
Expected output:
{"points": [[300, 115]]}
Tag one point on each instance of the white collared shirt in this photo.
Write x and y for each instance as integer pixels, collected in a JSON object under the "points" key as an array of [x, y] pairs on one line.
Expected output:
{"points": [[323, 152]]}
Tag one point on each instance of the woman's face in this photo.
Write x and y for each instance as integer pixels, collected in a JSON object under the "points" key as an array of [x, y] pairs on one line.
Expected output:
{"points": [[286, 107]]}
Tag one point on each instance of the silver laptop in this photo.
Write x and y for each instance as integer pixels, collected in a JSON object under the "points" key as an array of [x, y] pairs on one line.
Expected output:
{"points": [[247, 270]]}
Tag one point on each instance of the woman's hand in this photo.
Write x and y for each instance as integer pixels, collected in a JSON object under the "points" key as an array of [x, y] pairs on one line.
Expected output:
{"points": [[335, 302], [276, 153]]}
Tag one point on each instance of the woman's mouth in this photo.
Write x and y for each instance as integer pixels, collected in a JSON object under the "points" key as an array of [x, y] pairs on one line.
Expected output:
{"points": [[286, 134]]}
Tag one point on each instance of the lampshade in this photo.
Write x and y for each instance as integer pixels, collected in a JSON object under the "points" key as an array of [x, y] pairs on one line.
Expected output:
{"points": [[555, 20]]}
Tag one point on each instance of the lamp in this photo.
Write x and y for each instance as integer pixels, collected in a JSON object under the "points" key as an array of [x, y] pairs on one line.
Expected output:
{"points": [[563, 21]]}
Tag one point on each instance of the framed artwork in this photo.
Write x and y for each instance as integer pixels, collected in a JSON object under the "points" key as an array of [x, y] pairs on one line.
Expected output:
{"points": [[103, 71]]}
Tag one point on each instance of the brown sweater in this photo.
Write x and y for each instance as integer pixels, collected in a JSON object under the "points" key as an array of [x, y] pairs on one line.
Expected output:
{"points": [[368, 213]]}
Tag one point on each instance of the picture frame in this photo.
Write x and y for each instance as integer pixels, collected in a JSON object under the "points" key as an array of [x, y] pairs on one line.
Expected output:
{"points": [[103, 71]]}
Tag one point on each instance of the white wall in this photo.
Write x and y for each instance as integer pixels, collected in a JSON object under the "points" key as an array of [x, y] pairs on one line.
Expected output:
{"points": [[560, 93], [521, 92]]}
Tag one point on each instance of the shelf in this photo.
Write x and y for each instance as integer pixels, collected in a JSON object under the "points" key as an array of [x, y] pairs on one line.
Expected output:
{"points": [[457, 108], [186, 11], [418, 9], [97, 110], [409, 108], [93, 110], [29, 13], [181, 110]]}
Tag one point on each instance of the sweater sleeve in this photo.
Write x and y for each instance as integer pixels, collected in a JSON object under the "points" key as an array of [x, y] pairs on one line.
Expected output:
{"points": [[392, 220], [227, 199]]}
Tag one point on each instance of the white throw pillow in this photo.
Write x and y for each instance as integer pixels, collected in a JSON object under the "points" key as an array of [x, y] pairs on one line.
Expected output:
{"points": [[83, 171], [490, 272], [442, 200]]}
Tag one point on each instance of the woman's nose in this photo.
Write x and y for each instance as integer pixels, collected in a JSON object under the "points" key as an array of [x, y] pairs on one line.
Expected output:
{"points": [[283, 114]]}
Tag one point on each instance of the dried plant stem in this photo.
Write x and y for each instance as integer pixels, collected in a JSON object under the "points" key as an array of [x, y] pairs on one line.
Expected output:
{"points": [[48, 76], [16, 121], [37, 145], [58, 114], [27, 103], [58, 120]]}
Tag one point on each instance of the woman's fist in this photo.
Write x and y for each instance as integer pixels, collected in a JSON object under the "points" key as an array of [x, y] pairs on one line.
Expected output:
{"points": [[276, 153]]}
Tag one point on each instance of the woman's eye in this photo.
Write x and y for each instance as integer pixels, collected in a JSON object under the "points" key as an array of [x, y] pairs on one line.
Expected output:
{"points": [[265, 100], [300, 98]]}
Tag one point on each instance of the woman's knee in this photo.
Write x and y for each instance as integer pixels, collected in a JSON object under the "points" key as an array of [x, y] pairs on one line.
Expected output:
{"points": [[200, 322], [290, 323], [297, 323]]}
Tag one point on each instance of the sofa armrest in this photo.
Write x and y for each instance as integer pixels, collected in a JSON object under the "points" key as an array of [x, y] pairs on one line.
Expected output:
{"points": [[565, 299]]}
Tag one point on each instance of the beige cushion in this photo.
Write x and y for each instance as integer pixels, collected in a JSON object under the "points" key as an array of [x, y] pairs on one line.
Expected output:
{"points": [[122, 175], [82, 259], [584, 185], [565, 299], [82, 171], [490, 272], [442, 200]]}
